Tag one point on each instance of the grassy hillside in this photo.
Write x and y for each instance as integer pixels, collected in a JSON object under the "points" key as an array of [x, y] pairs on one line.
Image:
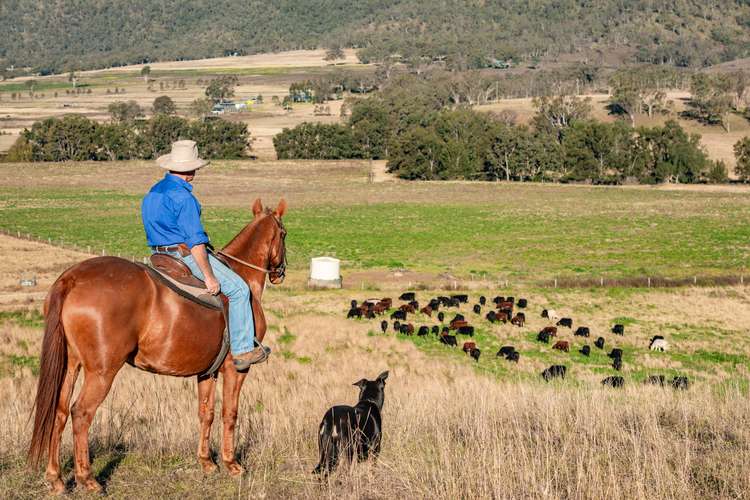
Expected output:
{"points": [[59, 35]]}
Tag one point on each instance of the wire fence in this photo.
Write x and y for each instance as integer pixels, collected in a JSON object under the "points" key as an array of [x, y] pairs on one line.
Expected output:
{"points": [[61, 243]]}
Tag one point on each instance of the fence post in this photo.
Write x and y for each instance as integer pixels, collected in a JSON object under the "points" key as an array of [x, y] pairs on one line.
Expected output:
{"points": [[649, 281], [742, 280], [88, 249], [695, 280], [555, 282], [601, 281]]}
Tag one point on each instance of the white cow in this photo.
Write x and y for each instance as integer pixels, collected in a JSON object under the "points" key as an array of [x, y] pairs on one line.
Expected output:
{"points": [[551, 314], [659, 345]]}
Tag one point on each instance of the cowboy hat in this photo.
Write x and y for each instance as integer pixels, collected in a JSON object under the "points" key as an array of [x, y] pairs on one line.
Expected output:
{"points": [[183, 158]]}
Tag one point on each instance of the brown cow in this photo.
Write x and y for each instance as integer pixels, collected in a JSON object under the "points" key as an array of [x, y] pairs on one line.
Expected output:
{"points": [[502, 316], [562, 345], [518, 319], [468, 346], [550, 330], [407, 308], [505, 305], [457, 323], [427, 310], [387, 302]]}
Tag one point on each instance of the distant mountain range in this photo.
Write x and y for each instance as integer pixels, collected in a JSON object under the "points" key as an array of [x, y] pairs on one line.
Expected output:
{"points": [[60, 35]]}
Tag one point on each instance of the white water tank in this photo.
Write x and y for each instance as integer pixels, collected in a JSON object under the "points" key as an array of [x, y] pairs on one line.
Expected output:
{"points": [[325, 272]]}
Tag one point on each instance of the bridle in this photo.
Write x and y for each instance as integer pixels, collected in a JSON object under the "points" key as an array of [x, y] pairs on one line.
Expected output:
{"points": [[277, 274]]}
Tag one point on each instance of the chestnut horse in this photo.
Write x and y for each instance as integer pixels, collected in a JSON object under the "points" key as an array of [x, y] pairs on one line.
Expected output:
{"points": [[105, 312]]}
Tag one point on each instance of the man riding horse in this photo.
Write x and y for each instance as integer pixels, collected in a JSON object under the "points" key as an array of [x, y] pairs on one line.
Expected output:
{"points": [[171, 218], [106, 312]]}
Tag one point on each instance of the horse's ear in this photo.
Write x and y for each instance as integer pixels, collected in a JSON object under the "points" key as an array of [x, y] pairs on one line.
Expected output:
{"points": [[281, 209], [257, 207]]}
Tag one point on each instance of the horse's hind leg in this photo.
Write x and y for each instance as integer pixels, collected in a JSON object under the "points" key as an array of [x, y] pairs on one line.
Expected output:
{"points": [[206, 402], [96, 385], [61, 417], [231, 399]]}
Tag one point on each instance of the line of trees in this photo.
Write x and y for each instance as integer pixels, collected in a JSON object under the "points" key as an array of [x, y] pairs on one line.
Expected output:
{"points": [[77, 138], [418, 127]]}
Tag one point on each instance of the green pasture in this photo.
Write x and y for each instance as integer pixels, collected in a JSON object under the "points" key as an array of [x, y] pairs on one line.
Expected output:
{"points": [[520, 240]]}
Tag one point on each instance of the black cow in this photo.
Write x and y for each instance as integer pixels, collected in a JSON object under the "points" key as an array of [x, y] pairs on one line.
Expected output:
{"points": [[384, 326], [543, 337], [441, 316], [585, 350], [458, 317], [398, 314], [477, 309], [449, 340], [475, 354], [453, 302], [354, 312], [614, 381], [423, 330], [656, 337], [599, 343], [435, 329], [506, 350], [659, 380], [554, 371], [407, 329], [617, 364], [565, 322], [498, 299], [681, 383], [514, 356], [512, 300], [522, 303], [408, 296], [618, 329], [461, 298], [491, 316], [482, 300], [443, 300], [370, 314], [434, 304], [445, 331], [353, 303], [615, 353], [582, 331], [396, 326], [466, 330]]}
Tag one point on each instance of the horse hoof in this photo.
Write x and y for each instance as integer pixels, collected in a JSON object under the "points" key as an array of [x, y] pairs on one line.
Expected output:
{"points": [[208, 465], [92, 486], [234, 469], [56, 487]]}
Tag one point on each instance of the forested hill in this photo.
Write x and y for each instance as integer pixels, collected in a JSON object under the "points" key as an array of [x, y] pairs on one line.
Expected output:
{"points": [[59, 35]]}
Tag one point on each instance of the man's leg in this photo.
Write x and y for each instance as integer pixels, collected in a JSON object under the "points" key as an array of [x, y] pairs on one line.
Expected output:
{"points": [[241, 325]]}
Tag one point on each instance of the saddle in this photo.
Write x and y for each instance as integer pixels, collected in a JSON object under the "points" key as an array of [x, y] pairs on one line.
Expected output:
{"points": [[177, 276]]}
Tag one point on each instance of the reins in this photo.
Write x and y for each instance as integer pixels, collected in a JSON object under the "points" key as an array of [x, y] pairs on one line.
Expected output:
{"points": [[280, 271]]}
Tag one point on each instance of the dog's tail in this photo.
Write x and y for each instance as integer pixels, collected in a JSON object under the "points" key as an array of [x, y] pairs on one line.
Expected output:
{"points": [[328, 444]]}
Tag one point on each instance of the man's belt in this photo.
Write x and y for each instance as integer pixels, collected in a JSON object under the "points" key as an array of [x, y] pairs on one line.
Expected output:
{"points": [[180, 247]]}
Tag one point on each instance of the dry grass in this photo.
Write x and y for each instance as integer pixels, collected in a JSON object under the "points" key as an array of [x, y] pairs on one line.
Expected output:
{"points": [[450, 432]]}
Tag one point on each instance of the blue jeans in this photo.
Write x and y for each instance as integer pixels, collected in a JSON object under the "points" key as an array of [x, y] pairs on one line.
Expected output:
{"points": [[241, 324]]}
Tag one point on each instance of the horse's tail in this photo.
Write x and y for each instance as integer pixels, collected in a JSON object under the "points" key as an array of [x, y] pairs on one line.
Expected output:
{"points": [[51, 374]]}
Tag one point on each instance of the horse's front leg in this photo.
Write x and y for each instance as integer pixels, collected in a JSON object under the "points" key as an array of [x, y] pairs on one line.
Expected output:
{"points": [[233, 381], [206, 400]]}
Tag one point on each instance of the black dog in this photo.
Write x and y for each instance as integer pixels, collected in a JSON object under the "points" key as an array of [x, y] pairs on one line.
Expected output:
{"points": [[353, 429]]}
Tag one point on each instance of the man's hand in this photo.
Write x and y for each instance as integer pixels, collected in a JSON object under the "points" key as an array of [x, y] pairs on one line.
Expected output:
{"points": [[212, 285], [201, 258]]}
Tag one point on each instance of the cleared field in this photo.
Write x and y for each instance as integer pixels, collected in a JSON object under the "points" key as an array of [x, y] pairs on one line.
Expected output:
{"points": [[454, 428], [498, 429], [521, 232]]}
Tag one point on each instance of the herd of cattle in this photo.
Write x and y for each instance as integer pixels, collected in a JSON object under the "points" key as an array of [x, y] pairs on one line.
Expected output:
{"points": [[500, 310]]}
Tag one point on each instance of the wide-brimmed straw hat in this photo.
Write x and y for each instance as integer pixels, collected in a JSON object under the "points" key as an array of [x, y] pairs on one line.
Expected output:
{"points": [[183, 158]]}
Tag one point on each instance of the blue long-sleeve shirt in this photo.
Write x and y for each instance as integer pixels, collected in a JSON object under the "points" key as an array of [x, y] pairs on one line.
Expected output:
{"points": [[171, 214]]}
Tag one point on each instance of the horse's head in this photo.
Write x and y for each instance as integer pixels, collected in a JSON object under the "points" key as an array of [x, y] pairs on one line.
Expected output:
{"points": [[275, 233]]}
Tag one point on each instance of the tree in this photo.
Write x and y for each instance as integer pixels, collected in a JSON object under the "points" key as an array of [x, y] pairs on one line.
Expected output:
{"points": [[557, 112], [742, 155], [124, 112], [222, 88], [316, 141], [146, 73], [369, 123], [711, 100], [220, 139], [334, 52], [70, 138], [73, 78], [201, 107], [164, 105]]}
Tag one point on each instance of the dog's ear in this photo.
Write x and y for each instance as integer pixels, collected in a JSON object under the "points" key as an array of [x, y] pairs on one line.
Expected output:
{"points": [[381, 378], [361, 383]]}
